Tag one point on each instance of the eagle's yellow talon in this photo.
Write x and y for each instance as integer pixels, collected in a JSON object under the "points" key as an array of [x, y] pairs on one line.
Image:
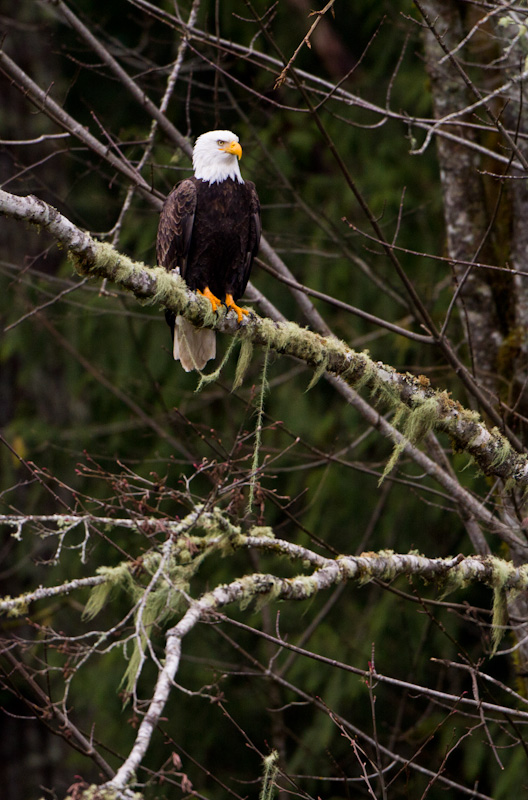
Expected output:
{"points": [[215, 302], [240, 312]]}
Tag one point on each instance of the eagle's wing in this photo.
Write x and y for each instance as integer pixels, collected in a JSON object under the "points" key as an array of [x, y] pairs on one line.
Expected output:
{"points": [[255, 230], [192, 346], [175, 227]]}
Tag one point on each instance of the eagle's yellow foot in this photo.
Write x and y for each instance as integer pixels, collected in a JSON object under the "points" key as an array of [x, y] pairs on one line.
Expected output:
{"points": [[215, 302], [240, 312]]}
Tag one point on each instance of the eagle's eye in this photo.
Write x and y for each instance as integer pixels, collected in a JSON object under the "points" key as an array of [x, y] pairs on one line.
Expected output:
{"points": [[220, 143]]}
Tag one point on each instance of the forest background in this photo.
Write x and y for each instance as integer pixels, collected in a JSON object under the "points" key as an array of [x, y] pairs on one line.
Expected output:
{"points": [[304, 574]]}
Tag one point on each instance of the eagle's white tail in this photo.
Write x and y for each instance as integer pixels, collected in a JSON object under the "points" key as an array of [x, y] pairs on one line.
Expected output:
{"points": [[193, 346]]}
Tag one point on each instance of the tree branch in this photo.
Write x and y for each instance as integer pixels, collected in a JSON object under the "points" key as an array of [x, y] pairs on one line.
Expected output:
{"points": [[502, 576], [425, 407]]}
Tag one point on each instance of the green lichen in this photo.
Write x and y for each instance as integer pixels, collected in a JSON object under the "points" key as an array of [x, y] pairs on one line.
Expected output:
{"points": [[115, 578], [206, 378], [271, 769], [502, 594], [264, 386], [276, 334], [500, 616], [259, 588], [307, 585], [422, 418], [417, 422], [164, 599], [263, 532], [170, 289], [94, 792], [161, 603], [21, 606], [361, 372], [454, 580], [318, 372], [108, 259], [502, 446], [384, 393], [244, 360]]}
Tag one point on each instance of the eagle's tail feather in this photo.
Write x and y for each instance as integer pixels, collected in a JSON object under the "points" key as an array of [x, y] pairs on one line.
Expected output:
{"points": [[193, 346]]}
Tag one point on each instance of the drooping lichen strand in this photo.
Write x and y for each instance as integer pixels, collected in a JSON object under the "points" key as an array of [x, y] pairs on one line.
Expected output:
{"points": [[502, 594], [318, 373], [421, 419], [158, 603], [244, 360], [258, 431], [385, 392], [456, 579], [271, 769], [397, 450], [417, 422], [207, 378], [118, 577], [161, 603], [503, 449], [500, 617]]}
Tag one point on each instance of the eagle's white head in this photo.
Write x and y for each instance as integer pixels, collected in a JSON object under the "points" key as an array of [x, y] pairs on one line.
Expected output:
{"points": [[216, 155]]}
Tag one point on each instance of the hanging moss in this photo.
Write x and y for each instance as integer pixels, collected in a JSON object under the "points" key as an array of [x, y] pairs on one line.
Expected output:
{"points": [[271, 769], [500, 617], [115, 578], [211, 377], [502, 594], [318, 373], [503, 448], [421, 419], [244, 360], [264, 386], [418, 421]]}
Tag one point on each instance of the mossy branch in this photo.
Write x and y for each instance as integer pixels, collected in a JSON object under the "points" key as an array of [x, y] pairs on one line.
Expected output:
{"points": [[156, 596], [455, 572], [425, 408], [202, 533]]}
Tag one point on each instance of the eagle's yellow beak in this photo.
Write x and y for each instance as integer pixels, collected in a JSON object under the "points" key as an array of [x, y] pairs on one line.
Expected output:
{"points": [[233, 148]]}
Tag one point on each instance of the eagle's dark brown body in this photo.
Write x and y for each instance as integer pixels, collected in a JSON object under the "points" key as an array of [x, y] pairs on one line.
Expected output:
{"points": [[209, 229], [212, 233]]}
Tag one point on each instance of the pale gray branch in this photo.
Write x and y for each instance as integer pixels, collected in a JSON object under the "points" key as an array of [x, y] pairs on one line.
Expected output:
{"points": [[428, 408], [385, 566]]}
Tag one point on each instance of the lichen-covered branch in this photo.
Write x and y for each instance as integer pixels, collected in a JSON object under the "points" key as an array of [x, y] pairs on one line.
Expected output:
{"points": [[420, 408], [203, 532], [455, 572], [19, 605]]}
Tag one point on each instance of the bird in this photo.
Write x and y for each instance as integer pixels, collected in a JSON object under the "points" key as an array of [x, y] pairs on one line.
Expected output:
{"points": [[209, 230]]}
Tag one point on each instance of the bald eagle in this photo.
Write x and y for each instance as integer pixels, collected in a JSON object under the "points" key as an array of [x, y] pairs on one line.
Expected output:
{"points": [[209, 229]]}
